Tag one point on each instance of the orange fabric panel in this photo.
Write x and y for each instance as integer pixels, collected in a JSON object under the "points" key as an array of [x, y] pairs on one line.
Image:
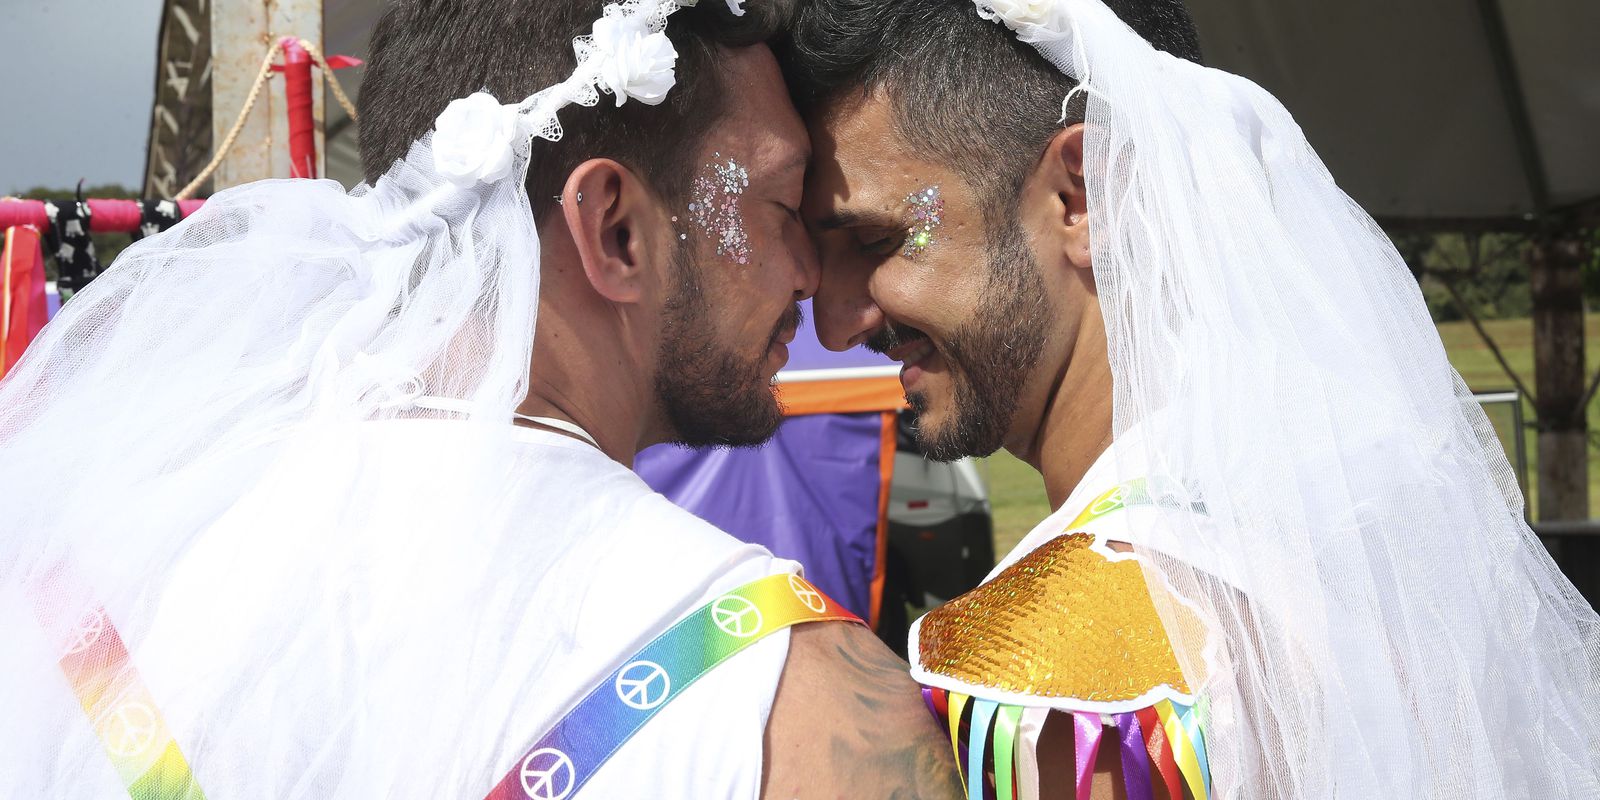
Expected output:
{"points": [[22, 303], [848, 396], [886, 453]]}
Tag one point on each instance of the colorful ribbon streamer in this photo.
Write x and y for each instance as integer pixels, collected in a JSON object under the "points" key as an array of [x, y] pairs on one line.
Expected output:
{"points": [[1186, 754], [957, 704], [1005, 741], [1087, 731], [1135, 759], [1162, 743], [1160, 749], [983, 713]]}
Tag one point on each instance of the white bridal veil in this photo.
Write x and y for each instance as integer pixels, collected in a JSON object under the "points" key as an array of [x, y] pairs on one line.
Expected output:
{"points": [[1390, 626], [199, 418]]}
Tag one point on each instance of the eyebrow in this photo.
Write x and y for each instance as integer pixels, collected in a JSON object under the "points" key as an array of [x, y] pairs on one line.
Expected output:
{"points": [[851, 218]]}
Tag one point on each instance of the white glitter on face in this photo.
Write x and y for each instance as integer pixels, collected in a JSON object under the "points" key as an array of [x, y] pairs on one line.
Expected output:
{"points": [[714, 207], [927, 212]]}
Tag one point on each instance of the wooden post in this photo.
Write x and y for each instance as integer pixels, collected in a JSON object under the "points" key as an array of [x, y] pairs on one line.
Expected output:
{"points": [[1555, 263], [241, 32]]}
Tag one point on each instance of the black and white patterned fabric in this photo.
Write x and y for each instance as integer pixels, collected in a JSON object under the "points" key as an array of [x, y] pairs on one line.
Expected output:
{"points": [[156, 216], [69, 242]]}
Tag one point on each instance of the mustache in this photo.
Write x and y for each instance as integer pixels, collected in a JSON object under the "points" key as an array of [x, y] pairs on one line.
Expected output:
{"points": [[790, 321], [891, 336]]}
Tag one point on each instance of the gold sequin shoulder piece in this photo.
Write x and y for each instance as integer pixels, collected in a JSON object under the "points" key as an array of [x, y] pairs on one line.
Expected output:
{"points": [[1064, 622]]}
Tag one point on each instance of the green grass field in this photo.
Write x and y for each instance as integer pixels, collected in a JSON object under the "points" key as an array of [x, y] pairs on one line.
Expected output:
{"points": [[1017, 492]]}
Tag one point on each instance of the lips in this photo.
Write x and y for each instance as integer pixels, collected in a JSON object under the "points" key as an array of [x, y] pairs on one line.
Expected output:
{"points": [[782, 336], [912, 353], [788, 326]]}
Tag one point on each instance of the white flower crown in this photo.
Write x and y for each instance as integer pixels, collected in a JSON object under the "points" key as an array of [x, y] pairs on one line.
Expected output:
{"points": [[627, 54], [1033, 20]]}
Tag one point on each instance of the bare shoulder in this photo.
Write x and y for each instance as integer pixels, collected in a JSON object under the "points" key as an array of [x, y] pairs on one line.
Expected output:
{"points": [[848, 721]]}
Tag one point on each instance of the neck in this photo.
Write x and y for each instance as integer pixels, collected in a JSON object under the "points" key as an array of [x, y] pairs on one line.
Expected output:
{"points": [[1076, 425], [585, 373], [552, 401]]}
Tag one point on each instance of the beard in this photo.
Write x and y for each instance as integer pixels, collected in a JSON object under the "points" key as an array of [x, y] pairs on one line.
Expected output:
{"points": [[712, 395], [990, 355]]}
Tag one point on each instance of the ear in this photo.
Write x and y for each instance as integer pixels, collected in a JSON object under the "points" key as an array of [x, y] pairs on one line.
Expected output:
{"points": [[1060, 172], [608, 209]]}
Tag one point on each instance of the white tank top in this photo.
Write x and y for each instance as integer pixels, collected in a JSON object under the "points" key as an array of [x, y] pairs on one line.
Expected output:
{"points": [[417, 649]]}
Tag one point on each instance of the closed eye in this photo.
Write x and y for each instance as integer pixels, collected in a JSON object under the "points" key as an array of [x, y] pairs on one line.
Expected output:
{"points": [[794, 213], [885, 246]]}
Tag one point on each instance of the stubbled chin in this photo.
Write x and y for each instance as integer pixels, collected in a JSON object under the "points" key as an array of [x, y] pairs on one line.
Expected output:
{"points": [[932, 391]]}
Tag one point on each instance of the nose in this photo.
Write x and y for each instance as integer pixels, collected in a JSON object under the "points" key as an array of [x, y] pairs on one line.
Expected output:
{"points": [[846, 315], [807, 267]]}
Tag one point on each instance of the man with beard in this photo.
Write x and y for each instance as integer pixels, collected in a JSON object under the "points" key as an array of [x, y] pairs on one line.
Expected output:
{"points": [[1288, 558], [356, 546]]}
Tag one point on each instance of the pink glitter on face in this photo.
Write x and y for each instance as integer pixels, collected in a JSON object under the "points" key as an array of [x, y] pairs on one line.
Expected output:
{"points": [[714, 207]]}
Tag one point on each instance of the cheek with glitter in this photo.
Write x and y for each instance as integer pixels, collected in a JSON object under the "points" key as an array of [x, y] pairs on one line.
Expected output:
{"points": [[927, 214], [714, 207]]}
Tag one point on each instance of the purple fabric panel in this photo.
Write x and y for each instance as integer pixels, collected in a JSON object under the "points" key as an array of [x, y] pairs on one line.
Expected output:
{"points": [[811, 495], [808, 353]]}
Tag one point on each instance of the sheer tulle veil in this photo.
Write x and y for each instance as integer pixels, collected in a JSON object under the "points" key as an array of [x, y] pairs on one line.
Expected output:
{"points": [[1381, 620], [218, 377]]}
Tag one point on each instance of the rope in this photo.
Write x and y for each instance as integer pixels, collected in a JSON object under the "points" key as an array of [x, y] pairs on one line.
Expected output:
{"points": [[333, 81], [238, 125], [255, 93]]}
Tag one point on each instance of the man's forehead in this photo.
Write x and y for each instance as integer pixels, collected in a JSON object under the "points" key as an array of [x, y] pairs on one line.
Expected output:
{"points": [[760, 127], [861, 168], [763, 154]]}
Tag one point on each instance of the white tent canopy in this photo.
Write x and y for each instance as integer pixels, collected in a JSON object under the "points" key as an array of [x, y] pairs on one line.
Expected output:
{"points": [[1431, 110], [1475, 111]]}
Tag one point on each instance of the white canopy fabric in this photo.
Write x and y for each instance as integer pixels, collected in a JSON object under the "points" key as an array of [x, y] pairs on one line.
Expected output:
{"points": [[1433, 111], [1477, 111]]}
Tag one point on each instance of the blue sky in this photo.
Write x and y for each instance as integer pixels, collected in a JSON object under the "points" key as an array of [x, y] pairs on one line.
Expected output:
{"points": [[80, 81]]}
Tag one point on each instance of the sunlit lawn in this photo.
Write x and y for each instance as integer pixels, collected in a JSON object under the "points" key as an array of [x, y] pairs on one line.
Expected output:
{"points": [[1017, 492]]}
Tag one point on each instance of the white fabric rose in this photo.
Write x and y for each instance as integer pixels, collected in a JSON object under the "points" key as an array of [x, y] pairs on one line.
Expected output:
{"points": [[473, 140], [632, 61], [736, 6], [1026, 16]]}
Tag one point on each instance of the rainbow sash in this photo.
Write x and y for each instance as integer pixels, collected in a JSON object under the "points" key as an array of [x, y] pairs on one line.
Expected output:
{"points": [[146, 755], [121, 708], [566, 757]]}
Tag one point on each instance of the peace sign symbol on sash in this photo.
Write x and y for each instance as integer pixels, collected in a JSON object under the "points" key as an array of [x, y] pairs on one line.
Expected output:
{"points": [[807, 594], [643, 685], [736, 616], [86, 632], [1111, 502], [130, 729], [547, 774]]}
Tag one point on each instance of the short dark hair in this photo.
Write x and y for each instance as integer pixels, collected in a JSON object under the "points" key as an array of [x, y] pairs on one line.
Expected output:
{"points": [[961, 87], [426, 53]]}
